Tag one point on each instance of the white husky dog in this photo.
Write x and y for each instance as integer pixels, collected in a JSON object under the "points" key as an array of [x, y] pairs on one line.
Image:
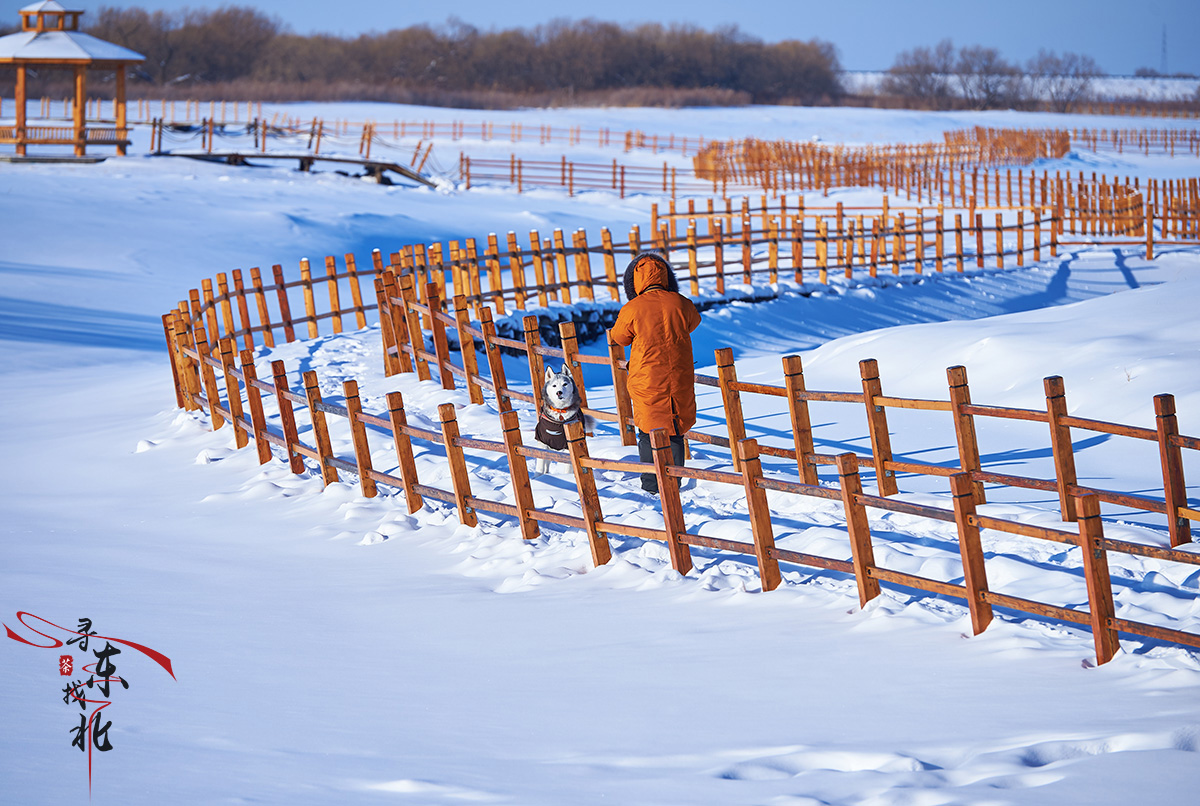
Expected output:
{"points": [[560, 405]]}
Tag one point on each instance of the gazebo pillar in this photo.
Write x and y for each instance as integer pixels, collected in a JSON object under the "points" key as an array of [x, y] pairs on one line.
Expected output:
{"points": [[80, 109], [20, 110], [122, 133]]}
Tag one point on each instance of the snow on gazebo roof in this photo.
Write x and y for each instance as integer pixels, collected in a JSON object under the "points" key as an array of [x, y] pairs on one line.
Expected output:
{"points": [[62, 46], [44, 5], [60, 41]]}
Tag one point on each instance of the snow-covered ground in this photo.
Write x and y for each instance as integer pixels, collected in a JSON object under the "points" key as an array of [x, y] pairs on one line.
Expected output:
{"points": [[333, 649]]}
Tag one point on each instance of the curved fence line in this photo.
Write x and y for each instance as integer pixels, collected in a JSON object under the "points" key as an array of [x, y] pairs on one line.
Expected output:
{"points": [[418, 322]]}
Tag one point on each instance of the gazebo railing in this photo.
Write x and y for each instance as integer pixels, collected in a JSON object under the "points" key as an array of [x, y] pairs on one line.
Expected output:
{"points": [[64, 135]]}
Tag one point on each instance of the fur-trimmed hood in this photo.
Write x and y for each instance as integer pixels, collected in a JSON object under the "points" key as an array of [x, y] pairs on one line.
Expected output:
{"points": [[646, 270]]}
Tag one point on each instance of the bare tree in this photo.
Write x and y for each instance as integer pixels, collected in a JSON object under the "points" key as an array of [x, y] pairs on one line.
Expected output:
{"points": [[1062, 80], [923, 74], [986, 79], [150, 34]]}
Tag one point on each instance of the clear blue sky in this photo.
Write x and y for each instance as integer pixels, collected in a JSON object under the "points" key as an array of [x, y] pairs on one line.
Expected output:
{"points": [[1120, 35]]}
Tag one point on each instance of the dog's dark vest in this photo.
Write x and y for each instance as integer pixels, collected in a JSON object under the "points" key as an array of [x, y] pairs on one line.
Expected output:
{"points": [[553, 433]]}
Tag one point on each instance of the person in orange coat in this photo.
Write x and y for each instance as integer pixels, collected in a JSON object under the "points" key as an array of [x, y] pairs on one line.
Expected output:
{"points": [[658, 321]]}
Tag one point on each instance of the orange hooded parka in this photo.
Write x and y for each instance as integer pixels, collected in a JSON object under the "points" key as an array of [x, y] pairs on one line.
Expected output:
{"points": [[658, 321]]}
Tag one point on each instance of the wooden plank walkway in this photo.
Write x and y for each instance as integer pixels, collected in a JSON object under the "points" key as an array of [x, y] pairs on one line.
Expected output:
{"points": [[305, 161]]}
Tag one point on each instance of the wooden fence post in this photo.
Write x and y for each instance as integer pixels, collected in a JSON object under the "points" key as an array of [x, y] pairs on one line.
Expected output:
{"points": [[735, 423], [404, 453], [1037, 235], [287, 417], [772, 233], [495, 284], [516, 270], [189, 368], [1149, 231], [964, 427], [538, 261], [958, 241], [168, 321], [793, 379], [441, 347], [285, 310], [211, 393], [1060, 443], [760, 514], [258, 418], [999, 239], [971, 550], [672, 507], [718, 240], [589, 498], [416, 336], [260, 300], [559, 251], [747, 255], [610, 263], [979, 240], [312, 393], [400, 322], [798, 247], [1099, 585], [358, 435], [1020, 237], [210, 310], [533, 340], [335, 302], [310, 303], [620, 375], [857, 528], [495, 359], [360, 313], [583, 265], [881, 441], [570, 347], [239, 291], [466, 345], [387, 330], [233, 394], [1174, 490], [691, 257], [518, 472], [460, 477]]}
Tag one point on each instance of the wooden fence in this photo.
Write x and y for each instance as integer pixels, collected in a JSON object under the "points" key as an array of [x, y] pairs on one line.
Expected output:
{"points": [[210, 374], [578, 176], [812, 243], [222, 114], [718, 246], [933, 171]]}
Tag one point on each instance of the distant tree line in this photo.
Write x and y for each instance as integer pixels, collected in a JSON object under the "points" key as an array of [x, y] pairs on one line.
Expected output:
{"points": [[239, 52], [192, 48], [980, 78]]}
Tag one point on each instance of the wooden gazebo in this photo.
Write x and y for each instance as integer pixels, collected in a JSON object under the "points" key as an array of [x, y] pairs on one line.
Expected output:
{"points": [[50, 39]]}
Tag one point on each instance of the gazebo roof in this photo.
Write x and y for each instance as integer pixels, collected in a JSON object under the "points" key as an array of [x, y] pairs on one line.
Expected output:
{"points": [[54, 46], [50, 34]]}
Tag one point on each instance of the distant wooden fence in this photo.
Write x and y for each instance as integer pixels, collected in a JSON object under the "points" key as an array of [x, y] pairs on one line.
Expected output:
{"points": [[210, 374], [419, 316], [250, 116], [574, 176], [932, 171]]}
